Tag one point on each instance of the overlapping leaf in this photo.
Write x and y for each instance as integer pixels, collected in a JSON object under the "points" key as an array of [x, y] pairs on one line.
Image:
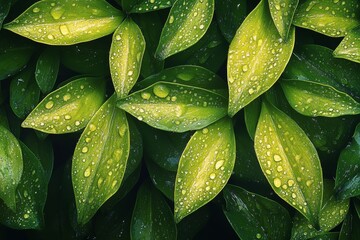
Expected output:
{"points": [[349, 48], [150, 5], [47, 68]]}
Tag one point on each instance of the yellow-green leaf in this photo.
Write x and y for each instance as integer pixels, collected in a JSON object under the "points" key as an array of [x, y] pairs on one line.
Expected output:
{"points": [[143, 6], [126, 53], [349, 48], [66, 22], [69, 108], [187, 22], [257, 57], [289, 161], [205, 167], [99, 160]]}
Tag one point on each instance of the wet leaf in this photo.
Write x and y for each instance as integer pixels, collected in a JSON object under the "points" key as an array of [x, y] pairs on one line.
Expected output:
{"points": [[282, 13], [255, 217], [205, 167], [142, 6], [333, 18], [175, 107], [251, 115], [63, 111], [4, 10], [24, 93], [187, 22], [30, 196], [100, 159], [152, 217], [11, 167], [47, 68], [350, 229], [314, 99], [126, 53], [349, 48], [289, 161], [66, 22], [348, 172], [257, 57], [327, 236], [229, 15]]}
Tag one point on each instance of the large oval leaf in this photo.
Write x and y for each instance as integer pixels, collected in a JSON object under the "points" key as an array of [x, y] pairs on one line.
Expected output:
{"points": [[126, 53], [257, 57], [315, 99], [100, 159], [205, 167], [11, 166], [289, 161], [175, 107], [333, 18], [66, 22], [255, 217], [186, 24], [349, 48], [63, 111]]}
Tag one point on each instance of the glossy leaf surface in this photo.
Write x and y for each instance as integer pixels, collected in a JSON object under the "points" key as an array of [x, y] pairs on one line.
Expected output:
{"points": [[63, 111], [257, 57], [175, 107], [205, 167], [349, 48], [100, 159], [289, 161], [151, 5], [47, 68], [282, 13]]}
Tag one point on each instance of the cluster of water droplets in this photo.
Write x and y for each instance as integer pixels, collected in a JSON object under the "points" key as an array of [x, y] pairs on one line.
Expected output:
{"points": [[152, 5]]}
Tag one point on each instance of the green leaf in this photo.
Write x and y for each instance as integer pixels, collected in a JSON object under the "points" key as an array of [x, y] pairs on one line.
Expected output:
{"points": [[24, 93], [282, 13], [100, 159], [327, 236], [126, 53], [30, 196], [349, 48], [66, 22], [229, 15], [255, 217], [11, 167], [63, 111], [189, 227], [314, 99], [143, 6], [316, 63], [350, 228], [205, 167], [251, 115], [4, 10], [333, 18], [175, 107], [289, 161], [47, 68], [186, 24], [152, 217], [255, 66], [347, 182]]}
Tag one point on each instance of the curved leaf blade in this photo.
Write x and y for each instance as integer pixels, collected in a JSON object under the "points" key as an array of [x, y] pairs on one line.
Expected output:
{"points": [[205, 167], [253, 68], [66, 22], [187, 22], [100, 159], [143, 6], [289, 161], [63, 111], [315, 99], [175, 107], [349, 48], [126, 53], [47, 69]]}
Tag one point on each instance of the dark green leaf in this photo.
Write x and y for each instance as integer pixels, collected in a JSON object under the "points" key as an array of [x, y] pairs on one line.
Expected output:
{"points": [[327, 236], [349, 48], [282, 13], [142, 6], [194, 223], [47, 68], [251, 114], [4, 10]]}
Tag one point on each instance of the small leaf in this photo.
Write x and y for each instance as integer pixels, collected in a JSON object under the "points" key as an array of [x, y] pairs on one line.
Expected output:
{"points": [[282, 13], [152, 217], [11, 167], [4, 10], [186, 24], [66, 22], [126, 53], [347, 172], [251, 115], [63, 111], [349, 48], [333, 18], [255, 66], [314, 99], [100, 159], [30, 196], [151, 5], [255, 217], [289, 161], [205, 167], [47, 68], [175, 107]]}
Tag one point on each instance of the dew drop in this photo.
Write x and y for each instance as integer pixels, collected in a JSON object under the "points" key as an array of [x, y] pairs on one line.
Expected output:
{"points": [[122, 130], [291, 183], [219, 164], [36, 10], [118, 37], [57, 12], [99, 182], [84, 150], [50, 36], [67, 97], [87, 172], [64, 30], [309, 183], [171, 19], [277, 158], [184, 76], [277, 6], [293, 195], [277, 182], [87, 140], [92, 127], [205, 131], [145, 95], [245, 68], [183, 192], [212, 176], [49, 105], [279, 168], [130, 73], [161, 91], [258, 236], [26, 216], [114, 183], [67, 117], [201, 26]]}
